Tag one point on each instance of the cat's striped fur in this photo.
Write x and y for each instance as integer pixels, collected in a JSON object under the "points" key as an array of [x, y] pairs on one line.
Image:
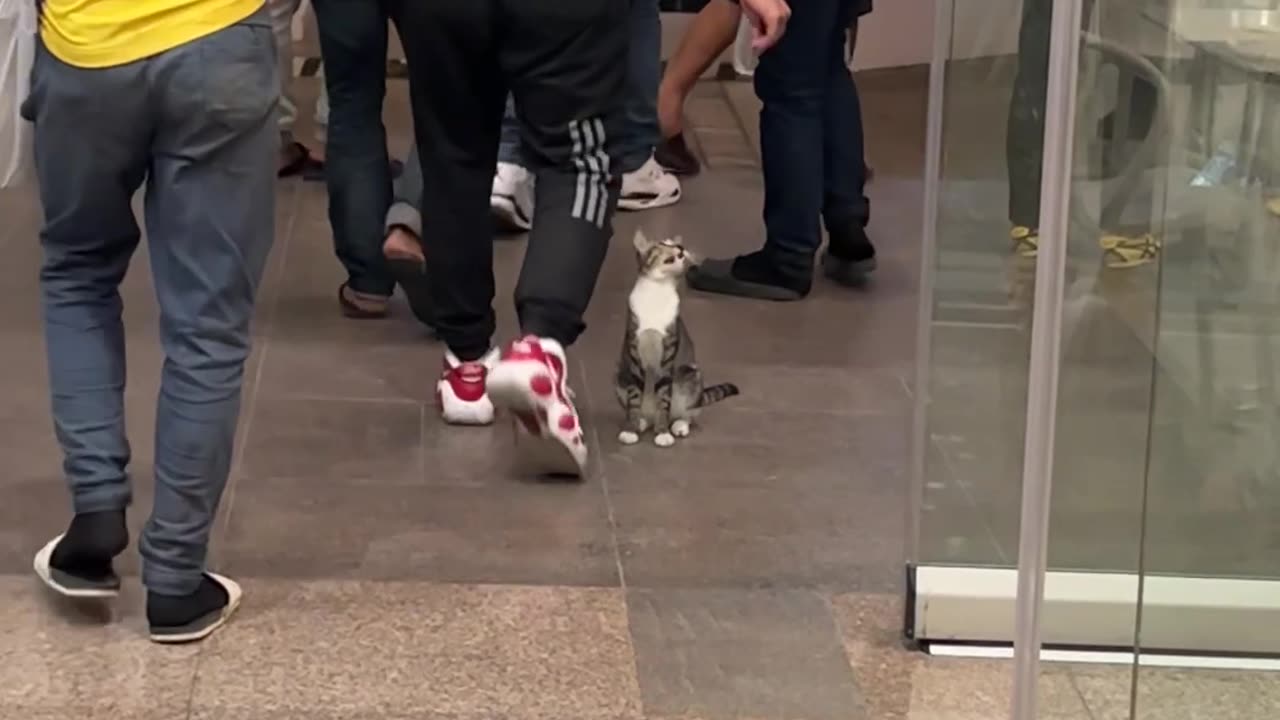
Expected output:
{"points": [[659, 384]]}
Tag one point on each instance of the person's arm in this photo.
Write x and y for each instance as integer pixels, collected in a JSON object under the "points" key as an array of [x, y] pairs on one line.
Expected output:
{"points": [[768, 21], [711, 33]]}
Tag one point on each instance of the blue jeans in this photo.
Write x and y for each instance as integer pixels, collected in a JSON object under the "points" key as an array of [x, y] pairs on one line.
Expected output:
{"points": [[509, 142], [353, 44], [198, 124], [640, 134], [644, 71], [811, 139]]}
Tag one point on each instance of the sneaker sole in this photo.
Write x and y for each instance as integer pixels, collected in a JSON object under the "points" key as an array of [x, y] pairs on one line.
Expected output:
{"points": [[508, 215], [50, 577], [848, 272], [647, 203], [468, 415], [542, 452], [198, 629], [411, 275], [733, 287]]}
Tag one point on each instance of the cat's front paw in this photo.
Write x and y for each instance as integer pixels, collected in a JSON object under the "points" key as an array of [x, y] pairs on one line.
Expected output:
{"points": [[628, 437], [664, 440], [681, 428]]}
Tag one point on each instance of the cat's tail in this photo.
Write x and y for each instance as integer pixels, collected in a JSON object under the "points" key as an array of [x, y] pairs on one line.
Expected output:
{"points": [[716, 393]]}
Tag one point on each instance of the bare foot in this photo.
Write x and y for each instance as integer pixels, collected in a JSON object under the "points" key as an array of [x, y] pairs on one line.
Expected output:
{"points": [[402, 245]]}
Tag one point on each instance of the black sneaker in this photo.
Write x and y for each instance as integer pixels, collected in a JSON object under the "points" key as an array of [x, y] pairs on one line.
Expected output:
{"points": [[78, 563], [751, 276], [850, 257], [188, 618], [674, 154]]}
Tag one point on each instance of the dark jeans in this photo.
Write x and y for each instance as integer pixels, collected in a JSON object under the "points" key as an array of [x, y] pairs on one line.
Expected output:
{"points": [[810, 135], [1024, 138], [565, 65], [197, 125], [644, 73], [353, 43]]}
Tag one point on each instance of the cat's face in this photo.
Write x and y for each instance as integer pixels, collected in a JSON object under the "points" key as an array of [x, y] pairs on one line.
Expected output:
{"points": [[663, 260]]}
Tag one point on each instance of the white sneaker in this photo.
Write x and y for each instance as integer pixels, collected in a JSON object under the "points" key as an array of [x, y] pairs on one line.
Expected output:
{"points": [[512, 198], [461, 391], [531, 381], [649, 187]]}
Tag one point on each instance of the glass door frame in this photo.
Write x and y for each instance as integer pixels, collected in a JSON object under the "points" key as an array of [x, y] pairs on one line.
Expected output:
{"points": [[962, 604]]}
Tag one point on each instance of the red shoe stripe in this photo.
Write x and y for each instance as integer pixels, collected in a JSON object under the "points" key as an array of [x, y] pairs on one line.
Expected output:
{"points": [[467, 381]]}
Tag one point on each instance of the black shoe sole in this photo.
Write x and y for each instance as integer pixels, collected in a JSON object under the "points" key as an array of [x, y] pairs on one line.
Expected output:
{"points": [[729, 285], [850, 273], [411, 276]]}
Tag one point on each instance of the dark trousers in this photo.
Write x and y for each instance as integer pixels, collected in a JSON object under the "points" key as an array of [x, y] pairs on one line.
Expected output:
{"points": [[565, 65], [811, 138], [1024, 138], [353, 43]]}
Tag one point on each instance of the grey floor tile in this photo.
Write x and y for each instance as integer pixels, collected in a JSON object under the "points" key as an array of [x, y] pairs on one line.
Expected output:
{"points": [[702, 535], [359, 649], [520, 533], [335, 440], [61, 660], [727, 654]]}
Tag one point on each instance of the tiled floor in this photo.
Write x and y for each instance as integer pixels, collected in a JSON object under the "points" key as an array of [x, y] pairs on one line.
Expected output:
{"points": [[397, 569]]}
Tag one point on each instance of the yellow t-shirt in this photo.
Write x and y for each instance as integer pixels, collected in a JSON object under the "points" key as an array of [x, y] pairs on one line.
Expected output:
{"points": [[106, 33]]}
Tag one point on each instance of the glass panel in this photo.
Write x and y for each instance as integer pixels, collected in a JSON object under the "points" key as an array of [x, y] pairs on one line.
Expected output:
{"points": [[984, 275], [977, 372], [1212, 526]]}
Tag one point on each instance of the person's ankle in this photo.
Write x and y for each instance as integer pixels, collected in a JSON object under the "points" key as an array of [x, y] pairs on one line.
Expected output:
{"points": [[92, 540], [670, 109], [176, 610]]}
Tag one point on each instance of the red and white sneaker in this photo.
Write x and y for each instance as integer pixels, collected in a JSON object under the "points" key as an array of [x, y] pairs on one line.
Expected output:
{"points": [[461, 391], [531, 381]]}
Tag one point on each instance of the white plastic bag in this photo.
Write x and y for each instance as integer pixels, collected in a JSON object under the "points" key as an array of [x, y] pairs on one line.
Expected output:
{"points": [[18, 24]]}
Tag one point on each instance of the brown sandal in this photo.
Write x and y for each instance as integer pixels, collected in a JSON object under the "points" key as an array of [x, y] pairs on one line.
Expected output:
{"points": [[361, 306]]}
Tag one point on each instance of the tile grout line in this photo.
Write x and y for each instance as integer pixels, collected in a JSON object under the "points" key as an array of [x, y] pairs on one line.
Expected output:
{"points": [[251, 405], [613, 534], [247, 412], [604, 484], [753, 148]]}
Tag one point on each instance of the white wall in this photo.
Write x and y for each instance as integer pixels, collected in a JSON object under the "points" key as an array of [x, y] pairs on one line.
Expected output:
{"points": [[900, 32]]}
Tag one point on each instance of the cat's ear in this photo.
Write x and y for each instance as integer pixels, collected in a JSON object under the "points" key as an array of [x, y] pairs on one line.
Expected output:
{"points": [[642, 243], [678, 240]]}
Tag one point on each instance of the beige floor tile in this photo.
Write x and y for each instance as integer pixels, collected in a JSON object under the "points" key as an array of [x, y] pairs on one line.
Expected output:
{"points": [[1169, 694], [358, 648], [63, 660], [900, 684]]}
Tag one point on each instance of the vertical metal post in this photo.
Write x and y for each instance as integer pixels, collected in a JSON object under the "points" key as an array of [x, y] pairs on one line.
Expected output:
{"points": [[942, 18], [1046, 355]]}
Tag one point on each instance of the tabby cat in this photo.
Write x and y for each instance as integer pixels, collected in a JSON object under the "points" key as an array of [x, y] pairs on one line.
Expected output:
{"points": [[658, 383]]}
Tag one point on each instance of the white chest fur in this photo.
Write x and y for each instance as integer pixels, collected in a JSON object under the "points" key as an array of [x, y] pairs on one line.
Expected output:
{"points": [[655, 304]]}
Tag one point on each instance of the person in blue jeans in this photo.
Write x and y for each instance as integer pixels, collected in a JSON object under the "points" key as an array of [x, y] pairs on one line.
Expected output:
{"points": [[645, 184], [353, 46], [183, 98], [811, 144]]}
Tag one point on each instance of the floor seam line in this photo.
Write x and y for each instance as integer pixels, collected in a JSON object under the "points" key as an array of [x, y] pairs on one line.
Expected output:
{"points": [[251, 404]]}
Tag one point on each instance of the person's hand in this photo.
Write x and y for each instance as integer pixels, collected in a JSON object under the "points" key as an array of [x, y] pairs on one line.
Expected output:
{"points": [[768, 22]]}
